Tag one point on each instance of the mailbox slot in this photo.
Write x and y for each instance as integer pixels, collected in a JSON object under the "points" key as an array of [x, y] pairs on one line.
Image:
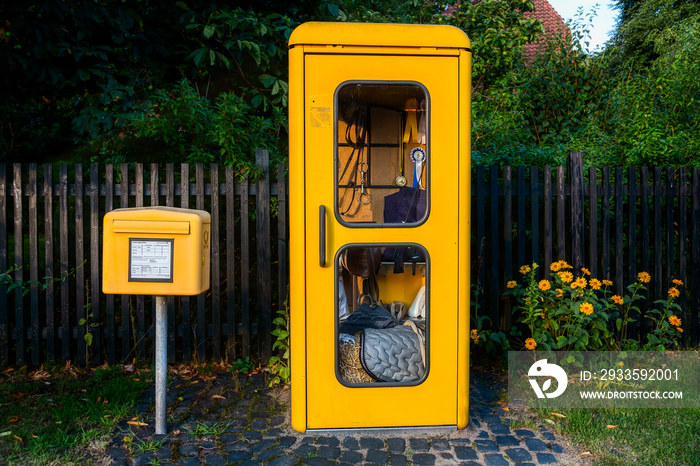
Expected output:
{"points": [[151, 227]]}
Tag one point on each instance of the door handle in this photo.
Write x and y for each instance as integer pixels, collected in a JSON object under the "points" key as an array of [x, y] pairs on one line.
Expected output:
{"points": [[322, 235]]}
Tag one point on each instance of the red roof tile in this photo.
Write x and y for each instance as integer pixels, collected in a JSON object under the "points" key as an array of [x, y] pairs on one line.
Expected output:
{"points": [[552, 22]]}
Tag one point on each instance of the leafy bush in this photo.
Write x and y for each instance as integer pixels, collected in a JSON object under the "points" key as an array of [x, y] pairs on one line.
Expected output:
{"points": [[480, 336], [279, 365], [190, 128], [653, 109]]}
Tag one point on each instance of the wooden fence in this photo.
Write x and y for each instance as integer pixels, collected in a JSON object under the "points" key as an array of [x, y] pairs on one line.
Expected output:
{"points": [[614, 221], [50, 240]]}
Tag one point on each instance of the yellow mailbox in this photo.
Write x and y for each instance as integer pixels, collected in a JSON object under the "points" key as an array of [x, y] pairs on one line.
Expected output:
{"points": [[379, 118], [156, 251]]}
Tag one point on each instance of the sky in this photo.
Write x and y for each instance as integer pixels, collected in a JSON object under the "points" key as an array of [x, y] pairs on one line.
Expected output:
{"points": [[603, 24]]}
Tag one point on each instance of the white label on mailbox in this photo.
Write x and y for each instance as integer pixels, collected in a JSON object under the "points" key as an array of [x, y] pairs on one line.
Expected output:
{"points": [[150, 260]]}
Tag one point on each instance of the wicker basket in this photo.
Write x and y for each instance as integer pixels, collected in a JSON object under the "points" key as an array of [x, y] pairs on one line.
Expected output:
{"points": [[349, 362]]}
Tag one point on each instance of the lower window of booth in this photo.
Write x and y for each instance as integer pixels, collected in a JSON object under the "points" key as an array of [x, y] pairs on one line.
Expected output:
{"points": [[382, 314]]}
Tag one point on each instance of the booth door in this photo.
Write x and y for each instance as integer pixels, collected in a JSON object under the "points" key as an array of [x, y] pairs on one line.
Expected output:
{"points": [[366, 116]]}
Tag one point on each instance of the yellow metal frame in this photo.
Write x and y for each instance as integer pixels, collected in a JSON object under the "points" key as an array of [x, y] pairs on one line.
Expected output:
{"points": [[440, 58]]}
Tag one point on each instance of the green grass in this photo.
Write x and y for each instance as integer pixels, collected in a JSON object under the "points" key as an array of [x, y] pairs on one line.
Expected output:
{"points": [[642, 436], [210, 430], [48, 418], [137, 446]]}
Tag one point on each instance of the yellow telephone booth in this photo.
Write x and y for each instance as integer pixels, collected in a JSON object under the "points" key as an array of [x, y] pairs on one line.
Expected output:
{"points": [[379, 118]]}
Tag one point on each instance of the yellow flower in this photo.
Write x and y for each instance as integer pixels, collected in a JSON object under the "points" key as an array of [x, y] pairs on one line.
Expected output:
{"points": [[555, 266], [607, 282], [566, 277], [617, 299], [595, 284], [579, 283], [560, 292], [678, 282], [511, 284], [545, 285], [525, 269], [587, 308], [674, 293], [564, 265], [530, 344], [585, 271], [644, 277], [674, 320], [474, 336], [680, 329]]}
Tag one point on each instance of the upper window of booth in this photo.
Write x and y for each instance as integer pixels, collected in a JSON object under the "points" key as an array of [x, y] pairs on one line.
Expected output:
{"points": [[382, 153]]}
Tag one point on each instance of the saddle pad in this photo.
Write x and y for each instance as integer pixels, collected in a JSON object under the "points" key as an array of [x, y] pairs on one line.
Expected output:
{"points": [[392, 354]]}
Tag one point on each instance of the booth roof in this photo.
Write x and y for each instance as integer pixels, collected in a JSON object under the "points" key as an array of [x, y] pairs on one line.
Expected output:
{"points": [[379, 35]]}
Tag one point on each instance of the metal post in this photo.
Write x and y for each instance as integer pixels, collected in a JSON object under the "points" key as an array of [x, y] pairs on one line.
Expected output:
{"points": [[161, 361]]}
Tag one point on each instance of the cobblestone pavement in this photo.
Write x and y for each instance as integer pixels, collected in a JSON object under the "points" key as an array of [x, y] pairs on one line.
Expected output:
{"points": [[234, 419]]}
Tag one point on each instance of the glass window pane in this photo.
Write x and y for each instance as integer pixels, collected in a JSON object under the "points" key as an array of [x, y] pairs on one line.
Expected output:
{"points": [[382, 153], [382, 314]]}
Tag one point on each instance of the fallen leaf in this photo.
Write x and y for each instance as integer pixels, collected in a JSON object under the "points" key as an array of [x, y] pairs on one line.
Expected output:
{"points": [[18, 438], [585, 453], [610, 426], [506, 409], [557, 415], [137, 423], [129, 368], [176, 432], [550, 421], [12, 419], [18, 395], [5, 434], [218, 397], [34, 436], [40, 374]]}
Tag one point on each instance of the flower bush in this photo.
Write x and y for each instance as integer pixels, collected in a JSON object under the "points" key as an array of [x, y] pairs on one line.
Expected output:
{"points": [[575, 312]]}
